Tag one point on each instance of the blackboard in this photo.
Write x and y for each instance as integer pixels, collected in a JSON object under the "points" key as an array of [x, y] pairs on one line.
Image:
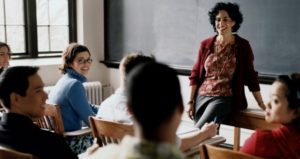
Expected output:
{"points": [[173, 29]]}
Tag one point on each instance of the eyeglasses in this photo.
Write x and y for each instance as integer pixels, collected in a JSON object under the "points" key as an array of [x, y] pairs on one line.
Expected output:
{"points": [[83, 61]]}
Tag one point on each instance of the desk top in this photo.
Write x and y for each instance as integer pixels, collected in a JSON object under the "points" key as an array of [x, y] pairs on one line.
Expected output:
{"points": [[216, 140]]}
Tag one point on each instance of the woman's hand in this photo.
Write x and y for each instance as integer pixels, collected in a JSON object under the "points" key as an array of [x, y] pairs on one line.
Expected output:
{"points": [[191, 111]]}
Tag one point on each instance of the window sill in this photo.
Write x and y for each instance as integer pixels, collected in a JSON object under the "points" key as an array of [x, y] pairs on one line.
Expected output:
{"points": [[36, 62]]}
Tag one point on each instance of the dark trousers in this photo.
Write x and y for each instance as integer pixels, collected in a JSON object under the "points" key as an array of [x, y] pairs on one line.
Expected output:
{"points": [[210, 108]]}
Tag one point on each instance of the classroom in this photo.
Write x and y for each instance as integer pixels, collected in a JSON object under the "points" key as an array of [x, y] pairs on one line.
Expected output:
{"points": [[112, 28]]}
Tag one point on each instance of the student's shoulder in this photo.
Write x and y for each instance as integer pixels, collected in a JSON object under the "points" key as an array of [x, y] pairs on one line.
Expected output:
{"points": [[49, 134], [262, 135]]}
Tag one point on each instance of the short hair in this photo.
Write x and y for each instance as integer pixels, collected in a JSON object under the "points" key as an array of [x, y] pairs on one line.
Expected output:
{"points": [[70, 53], [15, 79], [131, 60], [153, 92], [233, 11], [2, 44]]}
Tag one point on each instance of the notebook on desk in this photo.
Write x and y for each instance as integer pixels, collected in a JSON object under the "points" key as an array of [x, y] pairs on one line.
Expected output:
{"points": [[216, 140], [186, 127]]}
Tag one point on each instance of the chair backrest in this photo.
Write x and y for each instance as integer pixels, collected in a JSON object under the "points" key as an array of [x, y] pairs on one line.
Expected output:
{"points": [[7, 153], [2, 110], [52, 119], [213, 152], [108, 131]]}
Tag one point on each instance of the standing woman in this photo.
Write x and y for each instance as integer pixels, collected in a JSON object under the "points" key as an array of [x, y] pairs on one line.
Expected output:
{"points": [[69, 94], [4, 56], [224, 65], [283, 108]]}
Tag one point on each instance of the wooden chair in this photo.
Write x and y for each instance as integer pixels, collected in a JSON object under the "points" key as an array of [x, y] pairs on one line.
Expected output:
{"points": [[108, 131], [52, 121], [213, 152], [7, 153], [2, 110]]}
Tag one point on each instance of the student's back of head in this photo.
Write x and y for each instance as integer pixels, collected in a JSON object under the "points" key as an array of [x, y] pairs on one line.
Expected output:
{"points": [[130, 61], [154, 94]]}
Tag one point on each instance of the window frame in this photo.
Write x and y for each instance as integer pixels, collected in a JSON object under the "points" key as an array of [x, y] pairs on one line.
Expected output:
{"points": [[30, 28]]}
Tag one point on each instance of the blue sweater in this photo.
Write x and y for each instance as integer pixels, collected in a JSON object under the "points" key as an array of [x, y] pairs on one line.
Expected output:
{"points": [[70, 95]]}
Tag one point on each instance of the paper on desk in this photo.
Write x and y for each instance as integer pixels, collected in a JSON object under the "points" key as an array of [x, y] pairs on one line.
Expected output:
{"points": [[185, 127]]}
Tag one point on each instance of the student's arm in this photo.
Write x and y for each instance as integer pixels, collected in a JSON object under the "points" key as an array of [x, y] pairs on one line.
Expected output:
{"points": [[79, 102], [192, 139]]}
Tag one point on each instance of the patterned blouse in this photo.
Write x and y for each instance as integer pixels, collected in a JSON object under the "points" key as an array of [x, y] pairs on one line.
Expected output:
{"points": [[219, 67]]}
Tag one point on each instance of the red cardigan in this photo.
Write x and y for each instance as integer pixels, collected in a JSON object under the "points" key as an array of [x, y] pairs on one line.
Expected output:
{"points": [[243, 75], [283, 142]]}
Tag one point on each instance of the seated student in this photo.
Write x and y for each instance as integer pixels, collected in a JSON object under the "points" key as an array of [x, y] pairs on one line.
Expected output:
{"points": [[70, 95], [4, 60], [115, 108], [154, 99], [283, 108], [4, 56], [22, 94]]}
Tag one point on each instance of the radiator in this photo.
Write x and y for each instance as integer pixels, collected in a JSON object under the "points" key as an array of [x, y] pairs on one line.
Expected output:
{"points": [[93, 91]]}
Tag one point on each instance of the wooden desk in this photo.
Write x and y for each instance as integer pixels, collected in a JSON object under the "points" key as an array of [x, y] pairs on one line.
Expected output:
{"points": [[216, 140], [249, 119]]}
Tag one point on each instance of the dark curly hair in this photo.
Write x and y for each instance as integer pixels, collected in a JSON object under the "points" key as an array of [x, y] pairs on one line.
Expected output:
{"points": [[233, 11]]}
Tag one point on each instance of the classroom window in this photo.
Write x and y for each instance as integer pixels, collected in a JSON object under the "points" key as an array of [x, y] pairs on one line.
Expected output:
{"points": [[37, 28]]}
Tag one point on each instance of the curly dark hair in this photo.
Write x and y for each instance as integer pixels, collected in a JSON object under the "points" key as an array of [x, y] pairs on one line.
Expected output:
{"points": [[233, 11]]}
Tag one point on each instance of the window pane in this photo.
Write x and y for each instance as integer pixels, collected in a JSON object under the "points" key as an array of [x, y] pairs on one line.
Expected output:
{"points": [[2, 34], [1, 13], [14, 12], [59, 37], [16, 38], [42, 12], [43, 39], [58, 10]]}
